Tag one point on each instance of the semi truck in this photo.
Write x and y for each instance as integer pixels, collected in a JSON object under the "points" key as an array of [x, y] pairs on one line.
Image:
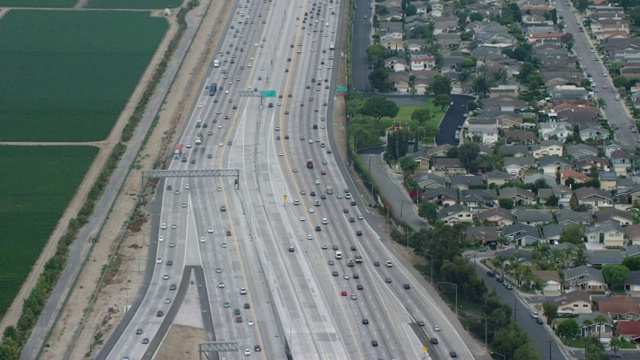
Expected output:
{"points": [[309, 163], [212, 89], [177, 151], [199, 139]]}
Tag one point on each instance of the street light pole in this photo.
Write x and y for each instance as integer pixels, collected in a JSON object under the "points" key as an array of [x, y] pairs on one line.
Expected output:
{"points": [[456, 288]]}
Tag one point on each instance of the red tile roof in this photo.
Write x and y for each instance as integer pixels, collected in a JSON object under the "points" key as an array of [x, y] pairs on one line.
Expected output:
{"points": [[629, 327], [619, 305]]}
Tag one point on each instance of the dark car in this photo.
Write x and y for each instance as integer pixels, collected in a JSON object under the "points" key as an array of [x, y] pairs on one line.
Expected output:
{"points": [[145, 341], [356, 276], [312, 193], [172, 287], [236, 312], [360, 287], [318, 228], [453, 354], [334, 247], [491, 273], [388, 280], [376, 263], [257, 348], [365, 321], [539, 321], [406, 286], [374, 342], [159, 313], [434, 340], [359, 233], [335, 273], [345, 210]]}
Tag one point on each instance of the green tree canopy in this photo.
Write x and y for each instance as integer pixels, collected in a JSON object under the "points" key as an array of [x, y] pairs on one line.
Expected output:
{"points": [[550, 311], [621, 82], [568, 328], [379, 107], [572, 234], [509, 339], [527, 352], [428, 210], [441, 85], [421, 115], [442, 100], [614, 274], [408, 165], [506, 203]]}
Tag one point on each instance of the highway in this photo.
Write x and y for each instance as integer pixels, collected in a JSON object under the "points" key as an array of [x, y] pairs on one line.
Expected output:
{"points": [[616, 112], [274, 233]]}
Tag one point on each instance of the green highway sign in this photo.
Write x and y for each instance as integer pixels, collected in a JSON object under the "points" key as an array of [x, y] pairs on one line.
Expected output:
{"points": [[268, 93], [341, 88]]}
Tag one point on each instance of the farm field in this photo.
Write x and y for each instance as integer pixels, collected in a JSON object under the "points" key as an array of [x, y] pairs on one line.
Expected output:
{"points": [[37, 184], [133, 4], [38, 3], [70, 76]]}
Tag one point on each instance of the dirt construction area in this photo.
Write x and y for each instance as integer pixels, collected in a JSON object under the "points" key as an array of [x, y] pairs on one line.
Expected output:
{"points": [[86, 326]]}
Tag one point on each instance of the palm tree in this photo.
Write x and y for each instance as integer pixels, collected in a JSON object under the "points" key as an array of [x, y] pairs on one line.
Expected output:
{"points": [[587, 323], [600, 319]]}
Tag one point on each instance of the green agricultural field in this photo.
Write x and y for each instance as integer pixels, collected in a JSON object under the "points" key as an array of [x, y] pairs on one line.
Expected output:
{"points": [[404, 116], [69, 77], [37, 184], [38, 3], [133, 4]]}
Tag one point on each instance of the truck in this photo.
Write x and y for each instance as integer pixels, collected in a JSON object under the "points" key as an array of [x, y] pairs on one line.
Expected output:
{"points": [[309, 163], [358, 259], [216, 63], [199, 139], [332, 46], [177, 151], [329, 189], [212, 89], [350, 263]]}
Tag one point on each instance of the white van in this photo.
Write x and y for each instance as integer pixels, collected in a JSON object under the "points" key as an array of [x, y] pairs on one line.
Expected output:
{"points": [[338, 255]]}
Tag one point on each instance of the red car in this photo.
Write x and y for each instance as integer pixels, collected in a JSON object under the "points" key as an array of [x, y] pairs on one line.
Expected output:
{"points": [[323, 172], [238, 319], [343, 293]]}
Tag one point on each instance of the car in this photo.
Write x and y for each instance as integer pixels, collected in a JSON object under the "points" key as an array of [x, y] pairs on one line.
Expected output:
{"points": [[343, 293], [172, 244], [376, 263], [539, 321], [165, 276], [247, 352], [406, 286], [302, 218], [312, 193], [228, 232], [317, 182], [436, 328], [434, 340], [508, 286], [352, 219], [236, 312], [292, 249], [247, 306], [359, 233], [345, 210], [158, 260], [302, 192], [354, 297], [420, 323], [325, 246], [138, 331], [223, 208], [325, 221], [335, 273], [250, 322], [374, 343], [346, 276], [145, 341], [389, 263], [534, 314], [167, 300], [163, 226], [238, 319], [159, 313], [453, 354], [172, 287], [360, 217], [331, 262], [323, 196], [311, 210], [257, 348], [218, 270], [221, 285], [491, 273]]}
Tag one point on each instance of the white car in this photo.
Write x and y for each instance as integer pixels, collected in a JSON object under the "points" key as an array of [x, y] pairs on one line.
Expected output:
{"points": [[201, 238], [389, 263], [311, 210], [221, 285], [186, 186], [174, 226], [250, 322], [210, 230], [317, 182], [163, 226], [325, 221], [160, 238], [247, 352], [165, 276], [436, 328], [309, 237], [158, 260], [167, 300], [302, 218]]}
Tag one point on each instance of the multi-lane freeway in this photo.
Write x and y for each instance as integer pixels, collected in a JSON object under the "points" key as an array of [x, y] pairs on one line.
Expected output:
{"points": [[265, 250]]}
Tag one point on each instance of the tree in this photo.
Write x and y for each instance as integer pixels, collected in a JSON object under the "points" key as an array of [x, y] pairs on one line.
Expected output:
{"points": [[476, 16], [7, 353], [408, 165], [632, 263], [428, 210], [441, 85], [568, 328], [444, 242], [620, 82], [442, 100], [421, 115], [550, 311], [410, 10], [378, 107], [527, 352], [600, 319], [615, 344], [468, 154], [472, 105], [552, 201], [614, 274], [572, 234], [509, 339], [379, 79], [506, 203]]}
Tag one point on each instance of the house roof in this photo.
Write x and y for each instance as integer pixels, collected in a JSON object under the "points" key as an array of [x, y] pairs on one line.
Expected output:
{"points": [[619, 305], [447, 162], [518, 231], [456, 180], [553, 230], [629, 328], [585, 193], [495, 174], [581, 149], [437, 149], [497, 211], [514, 149], [482, 233], [548, 275], [565, 174], [568, 215], [572, 297], [552, 159], [589, 274], [442, 192], [477, 195], [524, 215], [602, 257], [632, 250], [619, 154], [633, 232], [515, 191], [450, 210], [520, 161], [520, 135], [609, 213], [530, 179], [633, 278]]}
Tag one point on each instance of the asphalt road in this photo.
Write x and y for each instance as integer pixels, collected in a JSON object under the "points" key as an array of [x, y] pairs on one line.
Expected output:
{"points": [[48, 319], [362, 32], [453, 118], [616, 112]]}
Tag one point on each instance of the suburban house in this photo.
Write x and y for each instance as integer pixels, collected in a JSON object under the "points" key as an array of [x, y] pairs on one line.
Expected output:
{"points": [[533, 217], [599, 258], [568, 216], [633, 234], [442, 196], [604, 330], [518, 195], [621, 161], [448, 166], [620, 308], [593, 197], [463, 182], [574, 302], [523, 235], [585, 278], [632, 287], [552, 164], [497, 216], [487, 134], [552, 232], [620, 217], [514, 165], [552, 284], [421, 61], [608, 233], [474, 198], [608, 180], [559, 130], [498, 178], [628, 330], [483, 235], [578, 177], [549, 147], [593, 132], [454, 214]]}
